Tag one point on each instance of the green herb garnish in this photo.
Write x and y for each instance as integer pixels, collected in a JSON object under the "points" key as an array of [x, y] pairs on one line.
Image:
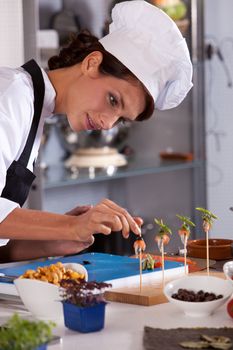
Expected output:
{"points": [[186, 222], [209, 342], [164, 229], [21, 334], [148, 263], [207, 215]]}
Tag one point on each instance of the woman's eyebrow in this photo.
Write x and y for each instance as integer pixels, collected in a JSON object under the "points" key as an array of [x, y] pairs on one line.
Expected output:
{"points": [[121, 100], [125, 119], [122, 104]]}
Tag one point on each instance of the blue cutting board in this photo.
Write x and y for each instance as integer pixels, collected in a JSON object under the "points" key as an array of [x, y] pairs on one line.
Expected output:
{"points": [[100, 266]]}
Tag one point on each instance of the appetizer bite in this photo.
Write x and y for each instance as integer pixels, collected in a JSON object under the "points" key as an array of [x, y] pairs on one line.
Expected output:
{"points": [[150, 263], [184, 233], [207, 223], [139, 247], [162, 238]]}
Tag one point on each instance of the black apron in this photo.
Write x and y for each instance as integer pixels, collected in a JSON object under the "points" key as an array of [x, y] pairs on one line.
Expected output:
{"points": [[19, 179]]}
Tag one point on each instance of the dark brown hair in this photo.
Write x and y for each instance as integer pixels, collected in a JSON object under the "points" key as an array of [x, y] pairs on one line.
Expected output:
{"points": [[82, 45]]}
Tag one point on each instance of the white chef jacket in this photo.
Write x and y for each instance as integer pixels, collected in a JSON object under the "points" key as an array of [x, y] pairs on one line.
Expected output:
{"points": [[16, 114]]}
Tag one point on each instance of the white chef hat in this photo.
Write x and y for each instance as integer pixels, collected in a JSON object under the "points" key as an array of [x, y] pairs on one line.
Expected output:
{"points": [[150, 45]]}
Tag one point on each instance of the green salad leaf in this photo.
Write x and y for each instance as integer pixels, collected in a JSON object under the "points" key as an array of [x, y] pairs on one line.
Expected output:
{"points": [[163, 228], [21, 334]]}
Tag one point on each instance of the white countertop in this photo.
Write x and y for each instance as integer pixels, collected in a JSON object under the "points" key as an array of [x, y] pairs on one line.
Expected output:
{"points": [[124, 325]]}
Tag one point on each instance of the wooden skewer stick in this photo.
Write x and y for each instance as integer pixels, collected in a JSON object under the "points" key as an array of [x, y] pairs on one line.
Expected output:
{"points": [[185, 255], [139, 247], [207, 253], [207, 222], [140, 267], [162, 251]]}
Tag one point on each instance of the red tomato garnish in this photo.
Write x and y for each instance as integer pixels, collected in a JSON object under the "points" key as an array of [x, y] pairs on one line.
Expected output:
{"points": [[157, 264]]}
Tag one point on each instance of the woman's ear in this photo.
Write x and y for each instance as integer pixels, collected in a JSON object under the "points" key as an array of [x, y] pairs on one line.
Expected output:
{"points": [[90, 64]]}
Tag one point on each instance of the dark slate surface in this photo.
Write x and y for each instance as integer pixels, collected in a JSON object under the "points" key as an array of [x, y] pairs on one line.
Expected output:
{"points": [[169, 339]]}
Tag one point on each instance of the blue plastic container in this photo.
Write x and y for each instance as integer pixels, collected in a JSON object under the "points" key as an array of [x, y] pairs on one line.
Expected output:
{"points": [[42, 347], [84, 319]]}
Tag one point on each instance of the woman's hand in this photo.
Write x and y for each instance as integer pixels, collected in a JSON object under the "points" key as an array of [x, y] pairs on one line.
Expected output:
{"points": [[35, 234], [17, 250], [104, 218], [79, 210]]}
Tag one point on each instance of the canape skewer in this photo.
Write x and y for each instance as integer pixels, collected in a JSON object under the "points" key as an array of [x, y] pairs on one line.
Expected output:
{"points": [[160, 242], [162, 238], [206, 228], [185, 255], [139, 247], [140, 269], [207, 223], [184, 233], [162, 252], [207, 253]]}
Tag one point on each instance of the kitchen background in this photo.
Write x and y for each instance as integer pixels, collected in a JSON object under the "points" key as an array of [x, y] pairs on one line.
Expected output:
{"points": [[148, 185]]}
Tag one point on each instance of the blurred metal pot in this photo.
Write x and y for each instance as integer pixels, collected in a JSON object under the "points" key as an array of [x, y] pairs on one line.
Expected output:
{"points": [[72, 140]]}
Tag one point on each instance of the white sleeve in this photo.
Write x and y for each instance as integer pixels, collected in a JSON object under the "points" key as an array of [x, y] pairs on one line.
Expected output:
{"points": [[3, 242], [15, 113], [6, 206]]}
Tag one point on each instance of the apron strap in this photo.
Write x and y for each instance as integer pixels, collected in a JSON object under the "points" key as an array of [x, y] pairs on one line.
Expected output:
{"points": [[39, 90]]}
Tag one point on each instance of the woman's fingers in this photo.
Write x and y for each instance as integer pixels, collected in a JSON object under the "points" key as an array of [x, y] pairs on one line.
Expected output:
{"points": [[128, 223], [105, 221], [104, 229], [113, 219], [138, 220], [85, 245], [105, 218]]}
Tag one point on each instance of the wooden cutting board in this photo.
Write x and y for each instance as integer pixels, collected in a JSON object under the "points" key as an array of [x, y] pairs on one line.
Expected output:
{"points": [[151, 294]]}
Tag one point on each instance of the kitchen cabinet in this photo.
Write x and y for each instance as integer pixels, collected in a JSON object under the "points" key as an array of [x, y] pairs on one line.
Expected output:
{"points": [[147, 186]]}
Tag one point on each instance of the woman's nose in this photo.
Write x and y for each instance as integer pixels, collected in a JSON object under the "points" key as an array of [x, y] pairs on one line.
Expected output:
{"points": [[107, 122]]}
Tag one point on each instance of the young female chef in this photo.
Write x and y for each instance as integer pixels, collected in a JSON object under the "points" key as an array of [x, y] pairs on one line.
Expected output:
{"points": [[142, 64]]}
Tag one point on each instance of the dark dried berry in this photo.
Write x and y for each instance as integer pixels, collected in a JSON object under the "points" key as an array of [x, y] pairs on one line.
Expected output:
{"points": [[191, 296], [220, 296]]}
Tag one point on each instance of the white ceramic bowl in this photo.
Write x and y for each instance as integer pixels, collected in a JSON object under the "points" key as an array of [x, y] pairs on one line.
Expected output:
{"points": [[228, 270], [195, 283], [42, 299]]}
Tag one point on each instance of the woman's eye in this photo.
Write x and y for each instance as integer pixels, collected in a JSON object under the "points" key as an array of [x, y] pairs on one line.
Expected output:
{"points": [[113, 100], [122, 121]]}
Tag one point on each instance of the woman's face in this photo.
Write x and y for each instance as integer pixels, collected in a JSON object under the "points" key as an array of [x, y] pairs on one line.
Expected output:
{"points": [[93, 101]]}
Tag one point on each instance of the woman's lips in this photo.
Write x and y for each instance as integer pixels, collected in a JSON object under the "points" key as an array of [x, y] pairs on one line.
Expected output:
{"points": [[90, 124]]}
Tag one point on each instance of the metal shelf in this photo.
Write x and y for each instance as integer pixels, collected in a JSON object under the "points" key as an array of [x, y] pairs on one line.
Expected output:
{"points": [[58, 176]]}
